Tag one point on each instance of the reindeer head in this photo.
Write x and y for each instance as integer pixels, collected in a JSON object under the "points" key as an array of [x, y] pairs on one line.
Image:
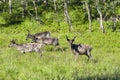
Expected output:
{"points": [[70, 41], [28, 35], [12, 42]]}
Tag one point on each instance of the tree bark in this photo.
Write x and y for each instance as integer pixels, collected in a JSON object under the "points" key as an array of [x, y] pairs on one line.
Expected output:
{"points": [[54, 5], [23, 7], [67, 16], [35, 7], [89, 17], [101, 17], [10, 7], [26, 8], [32, 16], [101, 21]]}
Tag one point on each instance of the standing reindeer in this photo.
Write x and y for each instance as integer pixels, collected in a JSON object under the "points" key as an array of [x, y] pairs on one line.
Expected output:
{"points": [[37, 35], [49, 41], [79, 49], [29, 47]]}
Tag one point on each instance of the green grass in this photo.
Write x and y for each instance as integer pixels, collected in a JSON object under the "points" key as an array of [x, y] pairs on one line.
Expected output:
{"points": [[55, 65]]}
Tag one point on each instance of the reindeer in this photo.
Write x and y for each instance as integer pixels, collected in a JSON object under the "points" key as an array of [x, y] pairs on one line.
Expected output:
{"points": [[29, 47], [37, 35], [79, 49], [49, 41]]}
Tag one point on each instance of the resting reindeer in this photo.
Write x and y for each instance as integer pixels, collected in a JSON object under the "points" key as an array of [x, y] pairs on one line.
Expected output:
{"points": [[29, 47], [79, 49], [37, 35], [49, 41]]}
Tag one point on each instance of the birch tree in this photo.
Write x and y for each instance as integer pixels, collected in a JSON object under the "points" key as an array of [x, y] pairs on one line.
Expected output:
{"points": [[89, 16], [10, 6], [101, 16], [54, 5], [67, 16], [35, 8], [23, 8]]}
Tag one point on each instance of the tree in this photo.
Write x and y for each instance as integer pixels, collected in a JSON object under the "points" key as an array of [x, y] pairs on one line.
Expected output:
{"points": [[101, 17], [10, 7], [67, 15], [23, 8], [54, 5], [89, 16]]}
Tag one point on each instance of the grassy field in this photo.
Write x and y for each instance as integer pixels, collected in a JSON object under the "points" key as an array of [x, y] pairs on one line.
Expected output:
{"points": [[55, 65]]}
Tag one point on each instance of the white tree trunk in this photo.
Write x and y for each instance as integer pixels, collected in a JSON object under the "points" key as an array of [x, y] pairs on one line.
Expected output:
{"points": [[67, 16], [100, 13], [35, 7], [10, 7], [89, 17], [54, 5], [101, 23], [23, 7]]}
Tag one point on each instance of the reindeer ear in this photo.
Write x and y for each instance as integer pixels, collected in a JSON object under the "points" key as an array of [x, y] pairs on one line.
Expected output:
{"points": [[28, 31], [12, 41], [74, 37], [67, 38]]}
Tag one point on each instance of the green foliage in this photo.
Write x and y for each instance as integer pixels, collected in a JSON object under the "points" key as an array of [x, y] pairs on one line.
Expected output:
{"points": [[49, 16], [11, 18], [2, 21]]}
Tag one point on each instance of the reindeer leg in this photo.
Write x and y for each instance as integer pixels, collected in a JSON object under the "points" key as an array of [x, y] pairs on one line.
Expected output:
{"points": [[55, 47], [76, 56], [61, 49], [39, 51], [89, 55]]}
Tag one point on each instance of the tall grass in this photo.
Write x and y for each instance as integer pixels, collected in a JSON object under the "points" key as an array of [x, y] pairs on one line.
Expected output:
{"points": [[55, 65]]}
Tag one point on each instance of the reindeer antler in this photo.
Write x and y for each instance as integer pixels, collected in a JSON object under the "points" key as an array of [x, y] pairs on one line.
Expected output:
{"points": [[28, 31], [74, 37]]}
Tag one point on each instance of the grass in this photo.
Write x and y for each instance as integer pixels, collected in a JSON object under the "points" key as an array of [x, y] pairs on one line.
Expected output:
{"points": [[55, 65]]}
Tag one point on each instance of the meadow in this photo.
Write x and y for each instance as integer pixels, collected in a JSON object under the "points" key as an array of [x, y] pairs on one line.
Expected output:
{"points": [[55, 65]]}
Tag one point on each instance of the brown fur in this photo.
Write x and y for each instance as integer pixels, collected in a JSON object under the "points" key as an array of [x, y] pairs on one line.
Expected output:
{"points": [[49, 41], [38, 35], [79, 49], [29, 47]]}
